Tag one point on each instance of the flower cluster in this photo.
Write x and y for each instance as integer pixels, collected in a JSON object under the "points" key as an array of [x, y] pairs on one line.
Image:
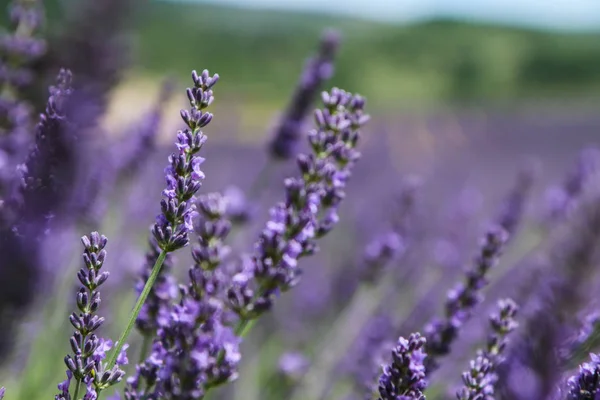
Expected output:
{"points": [[481, 378], [310, 208], [183, 174], [85, 365], [194, 350], [404, 377], [586, 384], [463, 298]]}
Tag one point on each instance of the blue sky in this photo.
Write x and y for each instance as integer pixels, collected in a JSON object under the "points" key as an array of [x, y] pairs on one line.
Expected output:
{"points": [[560, 14]]}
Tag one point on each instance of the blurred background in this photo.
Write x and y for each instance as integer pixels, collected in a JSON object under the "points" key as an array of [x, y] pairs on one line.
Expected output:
{"points": [[460, 91]]}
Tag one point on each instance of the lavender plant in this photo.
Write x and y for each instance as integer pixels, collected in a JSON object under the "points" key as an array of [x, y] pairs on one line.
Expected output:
{"points": [[85, 366]]}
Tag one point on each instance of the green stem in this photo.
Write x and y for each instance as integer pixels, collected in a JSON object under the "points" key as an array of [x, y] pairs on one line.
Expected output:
{"points": [[77, 388], [137, 308]]}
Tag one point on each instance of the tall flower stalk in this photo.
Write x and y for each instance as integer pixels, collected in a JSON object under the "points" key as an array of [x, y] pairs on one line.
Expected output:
{"points": [[85, 365], [309, 211], [184, 179]]}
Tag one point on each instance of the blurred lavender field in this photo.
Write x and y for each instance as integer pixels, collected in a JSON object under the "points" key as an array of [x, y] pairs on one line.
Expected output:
{"points": [[469, 226]]}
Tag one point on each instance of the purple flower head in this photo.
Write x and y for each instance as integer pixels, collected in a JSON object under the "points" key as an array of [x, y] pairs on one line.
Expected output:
{"points": [[316, 71], [479, 381], [404, 377], [380, 252], [2, 391], [463, 298], [586, 384], [310, 208], [183, 174], [293, 365], [86, 365]]}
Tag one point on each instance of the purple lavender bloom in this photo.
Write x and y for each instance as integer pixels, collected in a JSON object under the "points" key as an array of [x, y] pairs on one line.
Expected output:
{"points": [[479, 382], [316, 71], [2, 391], [85, 365], [560, 200], [404, 377], [293, 365], [379, 253], [194, 350], [44, 176], [183, 174], [310, 209], [511, 211], [463, 298], [586, 384]]}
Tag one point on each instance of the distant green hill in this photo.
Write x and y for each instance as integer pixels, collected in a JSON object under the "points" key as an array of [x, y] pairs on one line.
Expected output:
{"points": [[261, 53]]}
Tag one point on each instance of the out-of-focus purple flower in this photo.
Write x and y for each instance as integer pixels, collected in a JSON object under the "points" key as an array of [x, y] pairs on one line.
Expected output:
{"points": [[479, 382], [86, 364], [511, 211], [586, 384], [404, 377], [310, 209], [379, 253], [317, 70], [239, 208], [184, 176], [194, 350], [44, 176], [560, 200], [463, 298], [293, 365], [2, 392]]}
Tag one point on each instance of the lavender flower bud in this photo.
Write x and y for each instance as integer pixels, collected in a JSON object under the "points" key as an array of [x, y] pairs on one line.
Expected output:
{"points": [[85, 365], [404, 377], [183, 174], [463, 298], [310, 209], [481, 378], [2, 391]]}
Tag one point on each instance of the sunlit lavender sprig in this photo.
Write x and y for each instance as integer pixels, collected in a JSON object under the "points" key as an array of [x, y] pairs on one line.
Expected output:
{"points": [[184, 179], [404, 377], [586, 384], [479, 382], [317, 70], [85, 365], [463, 298], [309, 211], [194, 349]]}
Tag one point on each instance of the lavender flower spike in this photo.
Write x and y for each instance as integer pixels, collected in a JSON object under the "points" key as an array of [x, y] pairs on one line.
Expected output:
{"points": [[184, 179], [309, 211], [194, 350], [317, 70], [2, 391], [463, 298], [404, 378], [586, 384], [479, 381], [85, 365]]}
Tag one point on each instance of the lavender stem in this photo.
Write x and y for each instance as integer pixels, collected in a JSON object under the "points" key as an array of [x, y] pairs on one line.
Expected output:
{"points": [[137, 308]]}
